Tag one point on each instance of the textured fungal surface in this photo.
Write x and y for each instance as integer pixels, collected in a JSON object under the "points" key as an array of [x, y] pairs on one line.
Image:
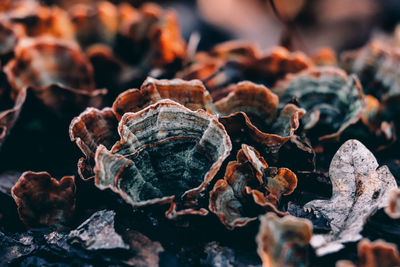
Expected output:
{"points": [[278, 62], [55, 58], [192, 94], [166, 153], [376, 65], [359, 188], [42, 200], [249, 187], [235, 61], [284, 241], [374, 254], [50, 21], [259, 103], [95, 23], [9, 36], [250, 115], [153, 33], [56, 70], [393, 208], [9, 113], [90, 129], [377, 253], [241, 129], [332, 99]]}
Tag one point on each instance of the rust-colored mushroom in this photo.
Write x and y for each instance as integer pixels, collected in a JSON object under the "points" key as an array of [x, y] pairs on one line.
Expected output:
{"points": [[192, 94], [284, 241], [249, 187], [57, 72], [42, 200]]}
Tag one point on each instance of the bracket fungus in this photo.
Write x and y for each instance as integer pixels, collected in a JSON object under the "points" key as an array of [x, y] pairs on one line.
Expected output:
{"points": [[251, 116], [284, 241], [259, 103], [10, 114], [249, 187], [65, 80], [94, 127], [192, 94], [155, 32], [42, 200], [333, 100], [374, 254], [359, 188], [46, 21], [9, 36], [377, 253], [393, 208], [234, 61], [132, 43], [377, 66], [90, 129], [95, 23], [325, 57], [36, 19], [17, 9], [167, 154]]}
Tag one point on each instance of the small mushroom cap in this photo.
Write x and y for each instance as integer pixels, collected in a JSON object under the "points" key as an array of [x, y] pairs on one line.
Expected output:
{"points": [[9, 116], [192, 94], [377, 253], [333, 100], [258, 102], [18, 10], [283, 241], [370, 112], [49, 21], [284, 182], [227, 206], [376, 65], [243, 193], [9, 36], [241, 129], [250, 154], [42, 200], [60, 62], [393, 208], [90, 129], [155, 33], [236, 51], [65, 81], [325, 57], [278, 62], [232, 61], [95, 24]]}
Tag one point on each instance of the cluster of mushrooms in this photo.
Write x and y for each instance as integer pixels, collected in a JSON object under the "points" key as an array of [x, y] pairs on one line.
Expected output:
{"points": [[241, 135]]}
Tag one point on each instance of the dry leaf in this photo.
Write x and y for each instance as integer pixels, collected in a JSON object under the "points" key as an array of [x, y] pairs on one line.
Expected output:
{"points": [[359, 189]]}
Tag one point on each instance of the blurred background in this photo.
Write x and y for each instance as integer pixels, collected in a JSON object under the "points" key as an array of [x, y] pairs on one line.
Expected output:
{"points": [[297, 24]]}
